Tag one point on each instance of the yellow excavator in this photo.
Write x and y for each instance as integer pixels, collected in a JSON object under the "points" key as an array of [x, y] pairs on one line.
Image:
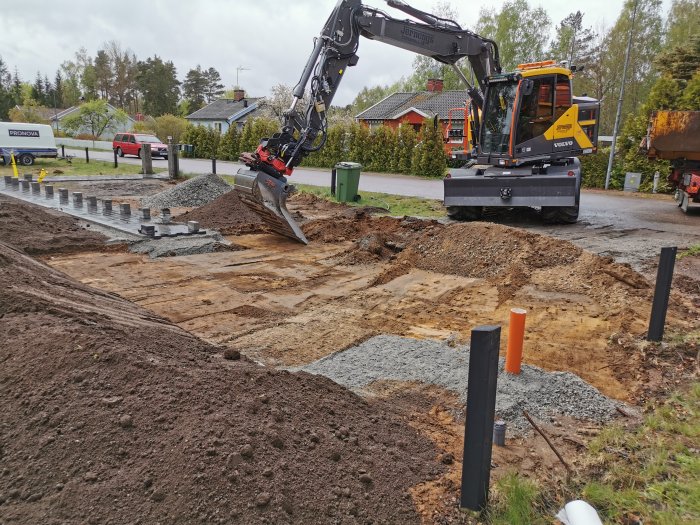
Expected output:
{"points": [[529, 128]]}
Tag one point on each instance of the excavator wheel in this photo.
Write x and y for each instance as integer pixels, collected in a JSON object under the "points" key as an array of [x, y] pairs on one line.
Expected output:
{"points": [[465, 213], [560, 214]]}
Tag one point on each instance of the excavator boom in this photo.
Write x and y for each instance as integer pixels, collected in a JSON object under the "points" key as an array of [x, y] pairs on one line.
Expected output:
{"points": [[263, 184]]}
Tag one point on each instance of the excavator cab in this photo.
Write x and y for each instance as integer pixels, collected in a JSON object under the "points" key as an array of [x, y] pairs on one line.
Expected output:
{"points": [[530, 115]]}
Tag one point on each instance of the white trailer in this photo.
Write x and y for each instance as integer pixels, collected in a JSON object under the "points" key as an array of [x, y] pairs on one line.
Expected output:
{"points": [[27, 142]]}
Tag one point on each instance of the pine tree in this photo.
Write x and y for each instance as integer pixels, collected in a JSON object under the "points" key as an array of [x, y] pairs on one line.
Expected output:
{"points": [[214, 88]]}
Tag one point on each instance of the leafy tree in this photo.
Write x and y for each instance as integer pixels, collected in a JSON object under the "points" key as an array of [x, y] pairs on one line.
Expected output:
{"points": [[425, 68], [124, 68], [28, 112], [690, 100], [95, 118], [646, 43], [682, 22], [520, 31], [214, 88], [7, 100], [71, 83], [103, 74], [157, 81], [169, 126], [194, 88], [369, 96]]}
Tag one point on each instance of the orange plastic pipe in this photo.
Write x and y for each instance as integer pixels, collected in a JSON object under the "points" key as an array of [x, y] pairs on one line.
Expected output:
{"points": [[516, 335]]}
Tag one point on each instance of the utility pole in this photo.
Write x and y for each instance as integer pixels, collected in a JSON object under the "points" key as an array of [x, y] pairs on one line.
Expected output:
{"points": [[619, 102], [238, 70]]}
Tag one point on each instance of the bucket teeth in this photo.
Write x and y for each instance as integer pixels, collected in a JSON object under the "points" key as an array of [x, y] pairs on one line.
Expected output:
{"points": [[267, 196]]}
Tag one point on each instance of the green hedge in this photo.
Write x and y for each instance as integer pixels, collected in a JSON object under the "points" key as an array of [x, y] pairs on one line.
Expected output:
{"points": [[382, 149]]}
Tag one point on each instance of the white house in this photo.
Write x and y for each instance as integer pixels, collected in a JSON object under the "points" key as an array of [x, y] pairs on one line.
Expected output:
{"points": [[225, 112]]}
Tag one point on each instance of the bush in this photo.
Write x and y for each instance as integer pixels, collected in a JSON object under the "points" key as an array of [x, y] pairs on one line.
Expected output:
{"points": [[230, 144], [593, 168], [429, 159], [169, 126]]}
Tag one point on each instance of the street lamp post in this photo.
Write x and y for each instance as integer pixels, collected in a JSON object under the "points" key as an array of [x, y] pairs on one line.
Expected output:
{"points": [[619, 102]]}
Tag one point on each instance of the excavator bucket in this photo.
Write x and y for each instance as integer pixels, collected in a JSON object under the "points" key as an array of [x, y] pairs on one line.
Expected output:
{"points": [[267, 196]]}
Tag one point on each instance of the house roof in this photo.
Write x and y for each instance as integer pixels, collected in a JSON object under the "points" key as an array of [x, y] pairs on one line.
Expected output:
{"points": [[426, 103], [43, 112], [65, 112], [225, 109]]}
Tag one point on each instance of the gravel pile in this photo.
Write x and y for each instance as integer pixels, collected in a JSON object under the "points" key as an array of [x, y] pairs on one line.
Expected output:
{"points": [[186, 245], [193, 192], [543, 394]]}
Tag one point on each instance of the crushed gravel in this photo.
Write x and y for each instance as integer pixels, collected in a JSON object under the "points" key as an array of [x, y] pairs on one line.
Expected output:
{"points": [[197, 191], [178, 246], [545, 395]]}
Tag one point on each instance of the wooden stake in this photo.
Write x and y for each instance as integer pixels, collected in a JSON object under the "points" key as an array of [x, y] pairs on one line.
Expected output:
{"points": [[539, 431]]}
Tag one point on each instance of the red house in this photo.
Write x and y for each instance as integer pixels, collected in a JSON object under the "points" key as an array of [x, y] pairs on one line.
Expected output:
{"points": [[414, 108]]}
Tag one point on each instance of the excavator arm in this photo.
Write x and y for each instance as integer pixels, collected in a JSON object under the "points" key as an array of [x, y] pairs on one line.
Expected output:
{"points": [[263, 184]]}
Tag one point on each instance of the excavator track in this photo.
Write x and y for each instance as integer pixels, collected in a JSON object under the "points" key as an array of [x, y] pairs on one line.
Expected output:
{"points": [[267, 196]]}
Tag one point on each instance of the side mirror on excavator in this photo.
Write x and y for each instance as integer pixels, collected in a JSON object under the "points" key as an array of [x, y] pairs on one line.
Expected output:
{"points": [[528, 85]]}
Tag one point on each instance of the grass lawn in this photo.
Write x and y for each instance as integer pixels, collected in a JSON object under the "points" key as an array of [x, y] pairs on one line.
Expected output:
{"points": [[77, 166], [396, 205], [648, 474]]}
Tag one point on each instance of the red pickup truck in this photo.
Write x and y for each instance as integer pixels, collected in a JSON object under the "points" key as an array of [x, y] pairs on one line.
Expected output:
{"points": [[131, 144]]}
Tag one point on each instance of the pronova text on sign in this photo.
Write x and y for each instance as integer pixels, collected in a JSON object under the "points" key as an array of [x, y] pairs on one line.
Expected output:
{"points": [[23, 132]]}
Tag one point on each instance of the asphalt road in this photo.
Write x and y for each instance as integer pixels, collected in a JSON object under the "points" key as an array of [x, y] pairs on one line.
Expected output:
{"points": [[651, 221]]}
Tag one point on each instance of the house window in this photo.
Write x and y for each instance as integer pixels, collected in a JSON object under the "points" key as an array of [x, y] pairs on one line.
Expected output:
{"points": [[217, 126]]}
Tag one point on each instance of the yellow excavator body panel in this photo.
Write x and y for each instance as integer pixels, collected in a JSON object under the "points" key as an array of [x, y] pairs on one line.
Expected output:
{"points": [[568, 126]]}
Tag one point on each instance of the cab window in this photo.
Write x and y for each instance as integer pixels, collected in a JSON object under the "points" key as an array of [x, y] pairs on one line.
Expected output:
{"points": [[536, 108]]}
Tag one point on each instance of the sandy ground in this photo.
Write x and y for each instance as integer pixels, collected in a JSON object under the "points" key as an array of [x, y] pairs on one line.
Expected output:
{"points": [[283, 304]]}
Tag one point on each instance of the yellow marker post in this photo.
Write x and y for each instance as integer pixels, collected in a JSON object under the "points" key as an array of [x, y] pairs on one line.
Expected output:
{"points": [[14, 166], [42, 175]]}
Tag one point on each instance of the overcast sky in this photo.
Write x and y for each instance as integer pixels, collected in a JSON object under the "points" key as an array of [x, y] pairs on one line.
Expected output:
{"points": [[272, 38]]}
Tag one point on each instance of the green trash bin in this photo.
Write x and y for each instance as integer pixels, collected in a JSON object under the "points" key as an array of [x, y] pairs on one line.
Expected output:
{"points": [[347, 181]]}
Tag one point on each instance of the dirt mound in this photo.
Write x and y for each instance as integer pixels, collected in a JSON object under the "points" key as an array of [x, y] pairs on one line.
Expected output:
{"points": [[113, 415], [511, 258], [361, 223], [228, 215], [37, 230]]}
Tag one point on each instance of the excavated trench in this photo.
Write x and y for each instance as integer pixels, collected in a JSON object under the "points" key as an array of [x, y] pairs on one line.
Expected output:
{"points": [[286, 305]]}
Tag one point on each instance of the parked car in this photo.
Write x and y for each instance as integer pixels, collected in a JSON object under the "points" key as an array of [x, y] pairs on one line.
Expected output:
{"points": [[27, 142], [131, 144]]}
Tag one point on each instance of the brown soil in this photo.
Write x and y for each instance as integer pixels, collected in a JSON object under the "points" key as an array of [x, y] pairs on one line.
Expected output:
{"points": [[227, 214], [113, 415], [36, 230]]}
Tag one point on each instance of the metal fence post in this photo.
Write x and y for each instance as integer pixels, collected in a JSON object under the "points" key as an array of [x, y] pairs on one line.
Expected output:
{"points": [[87, 156], [116, 163], [664, 277], [213, 165], [481, 406]]}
